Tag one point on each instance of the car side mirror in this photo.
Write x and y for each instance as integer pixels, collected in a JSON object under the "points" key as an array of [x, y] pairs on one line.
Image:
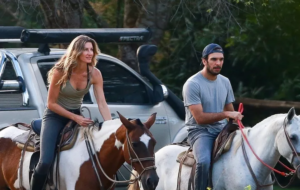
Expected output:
{"points": [[160, 93]]}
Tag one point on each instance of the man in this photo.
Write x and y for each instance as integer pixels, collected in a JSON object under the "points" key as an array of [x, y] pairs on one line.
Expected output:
{"points": [[208, 98]]}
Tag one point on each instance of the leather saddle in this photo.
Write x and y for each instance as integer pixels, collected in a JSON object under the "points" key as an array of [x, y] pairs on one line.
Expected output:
{"points": [[30, 139], [222, 144]]}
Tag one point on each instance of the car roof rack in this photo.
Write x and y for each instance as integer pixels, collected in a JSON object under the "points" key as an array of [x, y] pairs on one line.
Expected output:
{"points": [[10, 34], [55, 36]]}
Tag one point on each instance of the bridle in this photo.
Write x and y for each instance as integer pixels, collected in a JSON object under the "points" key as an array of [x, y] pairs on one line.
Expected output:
{"points": [[137, 159], [95, 161], [295, 155]]}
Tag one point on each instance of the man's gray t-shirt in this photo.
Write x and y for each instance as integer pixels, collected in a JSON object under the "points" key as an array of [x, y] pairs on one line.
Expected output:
{"points": [[212, 95]]}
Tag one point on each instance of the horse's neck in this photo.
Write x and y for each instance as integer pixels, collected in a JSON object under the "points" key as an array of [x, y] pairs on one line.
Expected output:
{"points": [[114, 148], [108, 146], [262, 139]]}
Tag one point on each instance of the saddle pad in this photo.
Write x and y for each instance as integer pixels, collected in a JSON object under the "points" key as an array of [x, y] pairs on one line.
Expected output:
{"points": [[228, 143], [223, 147], [187, 157], [33, 145]]}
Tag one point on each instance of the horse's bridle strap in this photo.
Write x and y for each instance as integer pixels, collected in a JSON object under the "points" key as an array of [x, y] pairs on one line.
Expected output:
{"points": [[295, 153], [143, 159], [258, 185], [92, 151], [137, 159], [145, 169]]}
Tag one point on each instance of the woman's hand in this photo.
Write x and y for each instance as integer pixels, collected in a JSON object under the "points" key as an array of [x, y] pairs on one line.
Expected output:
{"points": [[85, 122]]}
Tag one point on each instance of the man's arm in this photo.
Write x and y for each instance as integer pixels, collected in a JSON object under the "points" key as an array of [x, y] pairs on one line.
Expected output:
{"points": [[229, 107], [208, 118]]}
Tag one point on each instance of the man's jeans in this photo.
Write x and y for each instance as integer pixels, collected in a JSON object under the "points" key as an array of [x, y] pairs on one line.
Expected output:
{"points": [[202, 141]]}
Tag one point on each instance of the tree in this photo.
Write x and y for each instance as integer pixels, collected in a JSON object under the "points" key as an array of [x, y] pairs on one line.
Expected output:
{"points": [[62, 14], [143, 14], [56, 13]]}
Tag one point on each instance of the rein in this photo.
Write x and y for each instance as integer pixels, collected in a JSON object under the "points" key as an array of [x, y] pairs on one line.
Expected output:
{"points": [[91, 150], [295, 154], [90, 145]]}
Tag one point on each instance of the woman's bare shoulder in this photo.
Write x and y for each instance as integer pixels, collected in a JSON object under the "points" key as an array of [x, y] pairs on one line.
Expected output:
{"points": [[94, 71], [96, 74], [57, 72]]}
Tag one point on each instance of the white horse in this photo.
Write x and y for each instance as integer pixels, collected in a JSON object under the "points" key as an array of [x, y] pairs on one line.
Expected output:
{"points": [[230, 172]]}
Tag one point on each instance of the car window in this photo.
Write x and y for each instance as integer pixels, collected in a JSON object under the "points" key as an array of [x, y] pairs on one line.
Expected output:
{"points": [[121, 86], [45, 65], [9, 72], [10, 98]]}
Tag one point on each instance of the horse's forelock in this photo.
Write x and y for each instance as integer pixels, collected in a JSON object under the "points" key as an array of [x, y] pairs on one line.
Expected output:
{"points": [[138, 122]]}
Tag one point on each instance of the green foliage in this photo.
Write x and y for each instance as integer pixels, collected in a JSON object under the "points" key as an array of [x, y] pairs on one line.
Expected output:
{"points": [[265, 50], [243, 91], [260, 40], [278, 188], [107, 10]]}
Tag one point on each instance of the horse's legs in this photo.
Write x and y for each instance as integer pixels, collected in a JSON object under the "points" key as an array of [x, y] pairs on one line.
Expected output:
{"points": [[3, 185], [135, 185]]}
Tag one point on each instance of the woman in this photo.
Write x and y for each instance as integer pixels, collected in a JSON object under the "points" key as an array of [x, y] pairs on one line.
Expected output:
{"points": [[70, 79]]}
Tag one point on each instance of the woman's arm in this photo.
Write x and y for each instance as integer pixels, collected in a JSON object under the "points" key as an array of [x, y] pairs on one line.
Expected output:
{"points": [[53, 106], [97, 82]]}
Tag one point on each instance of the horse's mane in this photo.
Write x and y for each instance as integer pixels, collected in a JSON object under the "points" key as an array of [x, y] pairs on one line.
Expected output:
{"points": [[107, 128], [276, 119], [239, 138]]}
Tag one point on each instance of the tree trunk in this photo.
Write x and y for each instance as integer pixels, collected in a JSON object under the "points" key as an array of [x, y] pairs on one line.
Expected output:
{"points": [[62, 13], [154, 14], [100, 22]]}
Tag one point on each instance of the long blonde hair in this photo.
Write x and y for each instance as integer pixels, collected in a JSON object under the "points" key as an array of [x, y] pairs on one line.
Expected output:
{"points": [[69, 60]]}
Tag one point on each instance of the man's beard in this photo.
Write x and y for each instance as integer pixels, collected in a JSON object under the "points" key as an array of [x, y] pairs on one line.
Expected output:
{"points": [[211, 71]]}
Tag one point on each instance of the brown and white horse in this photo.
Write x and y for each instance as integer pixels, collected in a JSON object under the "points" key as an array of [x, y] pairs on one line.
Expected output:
{"points": [[118, 141]]}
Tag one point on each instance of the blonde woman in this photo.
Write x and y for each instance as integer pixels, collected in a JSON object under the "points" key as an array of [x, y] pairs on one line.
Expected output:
{"points": [[69, 80]]}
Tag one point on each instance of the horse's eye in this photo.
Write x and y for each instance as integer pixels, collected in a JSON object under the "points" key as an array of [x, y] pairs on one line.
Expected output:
{"points": [[293, 138], [135, 144]]}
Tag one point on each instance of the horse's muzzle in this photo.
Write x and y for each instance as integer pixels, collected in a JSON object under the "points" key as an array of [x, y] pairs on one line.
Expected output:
{"points": [[150, 181], [298, 172]]}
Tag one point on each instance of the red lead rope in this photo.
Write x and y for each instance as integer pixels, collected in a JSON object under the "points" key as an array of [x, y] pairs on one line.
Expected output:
{"points": [[241, 126]]}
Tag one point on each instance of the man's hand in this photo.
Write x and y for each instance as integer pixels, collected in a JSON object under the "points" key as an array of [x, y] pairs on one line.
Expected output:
{"points": [[234, 115]]}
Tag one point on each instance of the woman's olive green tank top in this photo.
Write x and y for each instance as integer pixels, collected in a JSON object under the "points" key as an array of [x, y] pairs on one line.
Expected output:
{"points": [[70, 98]]}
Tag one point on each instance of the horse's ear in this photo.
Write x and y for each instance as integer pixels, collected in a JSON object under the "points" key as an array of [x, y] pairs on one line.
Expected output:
{"points": [[150, 121], [126, 122], [291, 114]]}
